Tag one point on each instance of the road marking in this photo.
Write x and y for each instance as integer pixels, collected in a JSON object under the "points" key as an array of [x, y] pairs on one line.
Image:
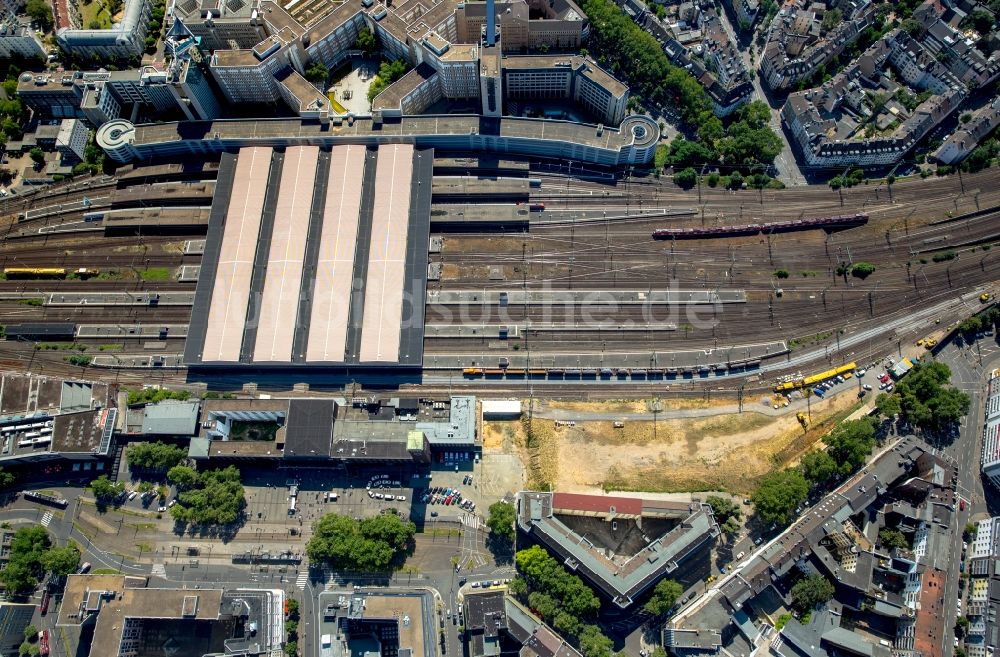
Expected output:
{"points": [[46, 519], [300, 581], [159, 570]]}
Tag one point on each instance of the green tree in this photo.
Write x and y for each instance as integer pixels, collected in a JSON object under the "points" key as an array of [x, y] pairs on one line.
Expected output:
{"points": [[686, 178], [593, 643], [888, 405], [388, 72], [893, 538], [6, 478], [686, 153], [862, 270], [927, 400], [979, 20], [831, 19], [105, 490], [36, 155], [543, 573], [850, 443], [217, 498], [778, 494], [810, 592], [501, 520], [40, 12], [61, 561], [29, 650], [154, 456], [317, 73], [25, 560], [731, 526], [819, 467], [724, 508], [366, 41], [182, 476], [293, 608], [370, 545], [665, 595], [912, 27], [18, 579], [961, 626]]}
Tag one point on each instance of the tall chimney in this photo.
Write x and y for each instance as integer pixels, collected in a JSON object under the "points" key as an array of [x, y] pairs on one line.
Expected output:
{"points": [[491, 23]]}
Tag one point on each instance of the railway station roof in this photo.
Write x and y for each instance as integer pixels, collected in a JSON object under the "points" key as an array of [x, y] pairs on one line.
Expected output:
{"points": [[322, 221]]}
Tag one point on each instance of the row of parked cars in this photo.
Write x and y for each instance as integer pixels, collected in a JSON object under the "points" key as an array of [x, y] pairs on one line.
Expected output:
{"points": [[447, 497]]}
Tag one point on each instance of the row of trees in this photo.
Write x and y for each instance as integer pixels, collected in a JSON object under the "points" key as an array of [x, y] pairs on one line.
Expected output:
{"points": [[634, 54], [155, 26], [155, 395], [561, 599], [388, 72], [372, 544], [213, 497], [781, 492], [154, 456], [925, 398], [31, 556], [748, 141]]}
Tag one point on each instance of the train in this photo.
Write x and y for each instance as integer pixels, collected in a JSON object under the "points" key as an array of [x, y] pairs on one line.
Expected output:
{"points": [[48, 272], [43, 643], [815, 378], [594, 372], [839, 221]]}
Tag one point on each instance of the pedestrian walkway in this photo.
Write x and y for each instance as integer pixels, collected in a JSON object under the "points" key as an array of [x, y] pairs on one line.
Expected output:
{"points": [[159, 570], [300, 581], [471, 521], [46, 519]]}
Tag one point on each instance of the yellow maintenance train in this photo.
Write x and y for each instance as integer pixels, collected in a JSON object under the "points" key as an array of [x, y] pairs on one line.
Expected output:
{"points": [[815, 378], [47, 272]]}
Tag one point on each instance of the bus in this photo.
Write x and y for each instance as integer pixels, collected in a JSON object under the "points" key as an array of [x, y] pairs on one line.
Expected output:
{"points": [[291, 505]]}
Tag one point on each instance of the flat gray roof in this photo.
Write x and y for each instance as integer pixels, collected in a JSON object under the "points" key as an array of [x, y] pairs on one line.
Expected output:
{"points": [[171, 418]]}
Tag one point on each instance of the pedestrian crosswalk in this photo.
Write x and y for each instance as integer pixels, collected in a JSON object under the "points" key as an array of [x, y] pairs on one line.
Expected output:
{"points": [[300, 581], [159, 570], [46, 519], [471, 520]]}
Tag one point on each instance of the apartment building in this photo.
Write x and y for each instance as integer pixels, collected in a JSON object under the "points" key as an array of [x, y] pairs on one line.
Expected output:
{"points": [[746, 11], [838, 125], [967, 136], [796, 48]]}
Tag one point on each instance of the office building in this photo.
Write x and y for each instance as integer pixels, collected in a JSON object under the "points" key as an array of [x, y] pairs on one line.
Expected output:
{"points": [[123, 40], [71, 142], [17, 39]]}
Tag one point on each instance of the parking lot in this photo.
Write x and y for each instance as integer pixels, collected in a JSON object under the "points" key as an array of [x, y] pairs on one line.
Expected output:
{"points": [[449, 490]]}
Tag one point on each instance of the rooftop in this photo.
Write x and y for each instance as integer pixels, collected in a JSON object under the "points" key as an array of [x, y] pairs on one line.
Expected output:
{"points": [[624, 578]]}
